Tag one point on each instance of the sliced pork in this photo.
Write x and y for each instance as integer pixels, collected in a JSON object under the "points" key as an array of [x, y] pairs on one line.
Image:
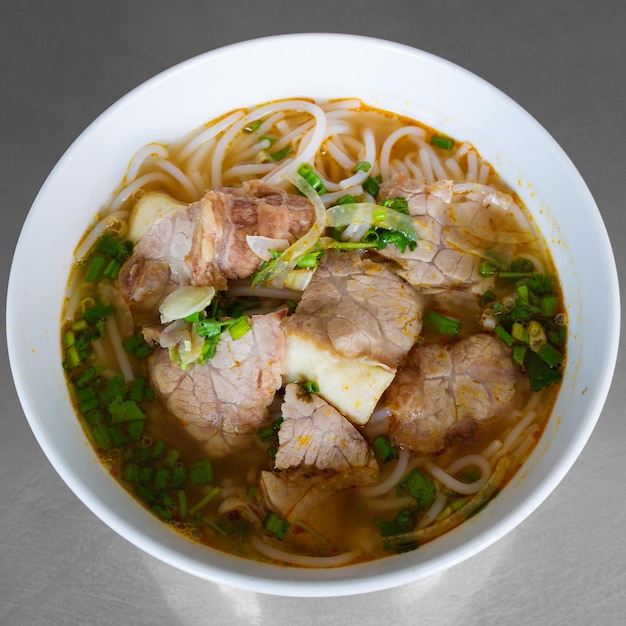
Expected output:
{"points": [[353, 326], [315, 434], [227, 397], [320, 454], [441, 394], [457, 224], [205, 243]]}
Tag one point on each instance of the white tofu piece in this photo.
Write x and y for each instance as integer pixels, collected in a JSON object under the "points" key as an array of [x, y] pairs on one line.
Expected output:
{"points": [[352, 386]]}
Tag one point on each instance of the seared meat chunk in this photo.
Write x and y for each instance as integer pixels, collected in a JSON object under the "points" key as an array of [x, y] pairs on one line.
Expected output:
{"points": [[322, 452], [320, 455], [231, 392], [441, 394], [157, 265], [455, 229], [315, 434], [205, 243], [353, 326]]}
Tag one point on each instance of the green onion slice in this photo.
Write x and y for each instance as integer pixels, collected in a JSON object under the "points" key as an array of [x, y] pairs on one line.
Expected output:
{"points": [[372, 214]]}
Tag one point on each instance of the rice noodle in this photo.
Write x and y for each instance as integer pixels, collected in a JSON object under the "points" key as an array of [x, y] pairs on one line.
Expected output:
{"points": [[453, 483], [113, 333], [177, 174], [433, 512], [212, 131], [300, 559], [390, 481], [151, 150], [412, 132], [138, 183], [510, 440]]}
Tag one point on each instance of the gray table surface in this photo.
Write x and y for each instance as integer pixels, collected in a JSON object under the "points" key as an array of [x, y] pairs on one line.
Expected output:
{"points": [[62, 63]]}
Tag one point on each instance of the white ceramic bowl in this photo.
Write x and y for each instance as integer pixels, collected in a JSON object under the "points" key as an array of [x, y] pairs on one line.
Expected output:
{"points": [[383, 74]]}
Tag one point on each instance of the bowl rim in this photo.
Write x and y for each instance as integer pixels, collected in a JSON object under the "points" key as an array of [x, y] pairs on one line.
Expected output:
{"points": [[323, 582]]}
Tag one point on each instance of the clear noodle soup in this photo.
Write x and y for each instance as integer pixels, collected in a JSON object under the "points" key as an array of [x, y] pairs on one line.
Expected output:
{"points": [[351, 449]]}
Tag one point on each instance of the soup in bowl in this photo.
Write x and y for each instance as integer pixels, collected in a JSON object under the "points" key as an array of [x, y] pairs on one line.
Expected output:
{"points": [[311, 331]]}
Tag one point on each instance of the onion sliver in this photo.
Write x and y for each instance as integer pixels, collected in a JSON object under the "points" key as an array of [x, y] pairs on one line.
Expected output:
{"points": [[261, 245]]}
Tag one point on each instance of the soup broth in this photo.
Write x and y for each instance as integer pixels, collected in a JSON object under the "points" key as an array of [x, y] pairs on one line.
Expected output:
{"points": [[351, 449]]}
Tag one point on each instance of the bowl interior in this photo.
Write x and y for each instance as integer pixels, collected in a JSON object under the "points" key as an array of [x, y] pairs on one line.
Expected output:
{"points": [[396, 78]]}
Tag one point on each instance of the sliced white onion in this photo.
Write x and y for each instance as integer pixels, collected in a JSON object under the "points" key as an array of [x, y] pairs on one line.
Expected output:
{"points": [[298, 279], [261, 246], [185, 301]]}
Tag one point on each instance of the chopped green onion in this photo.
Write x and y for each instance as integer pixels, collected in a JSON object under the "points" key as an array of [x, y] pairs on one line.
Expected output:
{"points": [[397, 204], [519, 332], [201, 472], [308, 173], [101, 436], [147, 495], [137, 345], [161, 478], [72, 358], [372, 184], [550, 355], [362, 166], [281, 154], [146, 474], [549, 306], [519, 354], [204, 501], [440, 323], [130, 472], [171, 458], [135, 429], [539, 373], [112, 269], [311, 386], [504, 335], [311, 259], [158, 449], [379, 214], [97, 312], [383, 450], [276, 525], [421, 488], [239, 327], [179, 476], [162, 512], [488, 267], [347, 199], [96, 268], [250, 128], [125, 411], [440, 141], [181, 494]]}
